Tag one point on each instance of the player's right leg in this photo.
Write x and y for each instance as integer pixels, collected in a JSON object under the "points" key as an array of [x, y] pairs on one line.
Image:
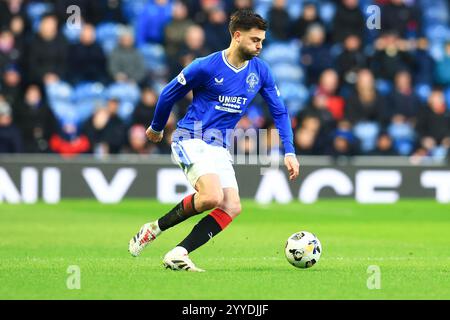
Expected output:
{"points": [[208, 196]]}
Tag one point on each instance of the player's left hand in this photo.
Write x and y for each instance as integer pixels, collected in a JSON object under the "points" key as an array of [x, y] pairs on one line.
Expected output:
{"points": [[293, 166]]}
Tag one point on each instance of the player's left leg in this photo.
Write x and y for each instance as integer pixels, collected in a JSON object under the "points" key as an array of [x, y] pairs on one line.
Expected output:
{"points": [[215, 222]]}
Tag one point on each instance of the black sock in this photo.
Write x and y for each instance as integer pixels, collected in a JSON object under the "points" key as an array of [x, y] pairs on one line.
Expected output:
{"points": [[205, 229], [182, 211]]}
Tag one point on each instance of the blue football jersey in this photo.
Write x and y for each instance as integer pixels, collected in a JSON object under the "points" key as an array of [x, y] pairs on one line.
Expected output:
{"points": [[221, 95]]}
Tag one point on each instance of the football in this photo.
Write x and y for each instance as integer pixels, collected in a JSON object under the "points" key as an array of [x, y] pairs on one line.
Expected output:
{"points": [[303, 249]]}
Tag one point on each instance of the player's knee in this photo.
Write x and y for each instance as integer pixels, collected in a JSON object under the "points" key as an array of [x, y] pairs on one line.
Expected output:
{"points": [[211, 200], [233, 209]]}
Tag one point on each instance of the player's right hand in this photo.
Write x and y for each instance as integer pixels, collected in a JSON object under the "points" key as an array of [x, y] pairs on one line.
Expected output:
{"points": [[154, 136]]}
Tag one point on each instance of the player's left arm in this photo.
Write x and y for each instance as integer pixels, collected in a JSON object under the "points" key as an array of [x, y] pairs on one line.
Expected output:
{"points": [[280, 115]]}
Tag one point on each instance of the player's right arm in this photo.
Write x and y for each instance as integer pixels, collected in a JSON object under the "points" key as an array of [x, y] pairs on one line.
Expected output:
{"points": [[189, 78]]}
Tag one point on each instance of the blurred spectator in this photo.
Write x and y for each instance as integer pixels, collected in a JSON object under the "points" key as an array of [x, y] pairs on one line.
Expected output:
{"points": [[138, 142], [194, 47], [365, 103], [89, 55], [423, 63], [112, 11], [10, 137], [403, 101], [175, 31], [216, 29], [126, 63], [434, 124], [11, 10], [402, 18], [308, 17], [152, 21], [9, 54], [47, 52], [344, 143], [328, 88], [315, 54], [144, 112], [11, 85], [384, 146], [67, 142], [307, 137], [318, 109], [403, 135], [351, 59], [105, 130], [443, 67], [391, 55], [241, 4], [348, 20], [35, 120], [279, 21]]}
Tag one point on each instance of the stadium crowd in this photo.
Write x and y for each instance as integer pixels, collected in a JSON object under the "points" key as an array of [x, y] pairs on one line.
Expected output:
{"points": [[91, 87]]}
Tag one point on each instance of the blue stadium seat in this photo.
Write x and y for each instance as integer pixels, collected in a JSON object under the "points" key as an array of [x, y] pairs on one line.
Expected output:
{"points": [[155, 58], [128, 95], [65, 112], [295, 96], [384, 86], [327, 11], [108, 36], [87, 97], [447, 97], [403, 136], [59, 91], [288, 72], [288, 52], [71, 34], [423, 90], [35, 10], [367, 133]]}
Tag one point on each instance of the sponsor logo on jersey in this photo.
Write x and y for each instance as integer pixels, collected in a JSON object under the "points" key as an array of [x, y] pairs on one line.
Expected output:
{"points": [[231, 104]]}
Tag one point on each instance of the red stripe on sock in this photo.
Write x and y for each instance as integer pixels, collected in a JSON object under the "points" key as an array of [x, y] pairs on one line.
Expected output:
{"points": [[221, 217], [187, 204]]}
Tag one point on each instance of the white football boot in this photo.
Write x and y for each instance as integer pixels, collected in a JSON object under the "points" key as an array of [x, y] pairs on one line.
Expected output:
{"points": [[178, 259], [146, 234]]}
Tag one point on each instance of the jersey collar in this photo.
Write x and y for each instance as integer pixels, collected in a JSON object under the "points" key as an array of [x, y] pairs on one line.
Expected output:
{"points": [[224, 58]]}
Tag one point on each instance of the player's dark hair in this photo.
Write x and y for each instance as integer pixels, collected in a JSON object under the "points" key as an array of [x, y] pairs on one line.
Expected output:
{"points": [[245, 20]]}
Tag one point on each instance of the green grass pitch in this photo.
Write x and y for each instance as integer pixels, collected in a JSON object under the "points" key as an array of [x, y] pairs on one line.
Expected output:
{"points": [[408, 241]]}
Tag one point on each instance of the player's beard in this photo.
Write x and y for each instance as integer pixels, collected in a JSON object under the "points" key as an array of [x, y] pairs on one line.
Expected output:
{"points": [[247, 54]]}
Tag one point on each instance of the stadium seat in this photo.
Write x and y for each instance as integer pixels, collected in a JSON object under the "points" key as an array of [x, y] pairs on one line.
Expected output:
{"points": [[423, 90], [128, 95], [155, 58], [287, 52], [403, 136], [295, 96], [108, 36], [87, 97], [384, 86], [59, 91], [447, 97], [367, 133], [35, 10], [71, 34], [287, 72]]}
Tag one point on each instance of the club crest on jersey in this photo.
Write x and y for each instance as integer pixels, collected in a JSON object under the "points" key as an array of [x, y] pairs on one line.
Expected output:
{"points": [[181, 79], [252, 81]]}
